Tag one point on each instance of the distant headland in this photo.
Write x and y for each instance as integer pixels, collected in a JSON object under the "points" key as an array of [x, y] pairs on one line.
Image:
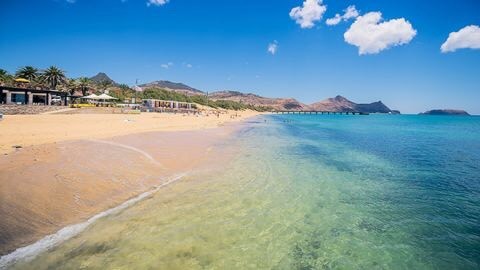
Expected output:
{"points": [[445, 112]]}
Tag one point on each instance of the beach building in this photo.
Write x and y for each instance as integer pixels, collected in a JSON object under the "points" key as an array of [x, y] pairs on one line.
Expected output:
{"points": [[157, 104], [26, 96]]}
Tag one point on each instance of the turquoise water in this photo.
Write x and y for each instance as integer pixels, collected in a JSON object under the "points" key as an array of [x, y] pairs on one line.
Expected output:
{"points": [[307, 192], [419, 181]]}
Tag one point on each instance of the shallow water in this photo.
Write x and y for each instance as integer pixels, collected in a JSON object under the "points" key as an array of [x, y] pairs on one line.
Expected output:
{"points": [[307, 192]]}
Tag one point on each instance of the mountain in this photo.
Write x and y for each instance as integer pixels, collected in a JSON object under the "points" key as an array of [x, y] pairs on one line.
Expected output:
{"points": [[445, 112], [173, 86], [252, 99], [341, 104], [100, 77], [375, 107], [336, 104]]}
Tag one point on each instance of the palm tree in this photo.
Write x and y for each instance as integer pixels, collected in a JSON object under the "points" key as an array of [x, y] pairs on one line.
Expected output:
{"points": [[3, 73], [70, 86], [83, 83], [54, 76], [28, 72], [5, 78]]}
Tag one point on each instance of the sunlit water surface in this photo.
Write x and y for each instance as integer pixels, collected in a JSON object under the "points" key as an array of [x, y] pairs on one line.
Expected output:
{"points": [[307, 192]]}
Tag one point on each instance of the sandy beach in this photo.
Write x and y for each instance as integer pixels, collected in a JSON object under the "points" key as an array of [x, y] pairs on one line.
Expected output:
{"points": [[71, 167], [28, 130]]}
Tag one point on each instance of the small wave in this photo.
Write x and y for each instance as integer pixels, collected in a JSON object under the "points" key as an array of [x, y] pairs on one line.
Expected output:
{"points": [[145, 154], [30, 252]]}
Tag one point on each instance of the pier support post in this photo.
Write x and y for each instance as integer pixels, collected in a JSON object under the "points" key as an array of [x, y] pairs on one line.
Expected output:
{"points": [[8, 97], [30, 98]]}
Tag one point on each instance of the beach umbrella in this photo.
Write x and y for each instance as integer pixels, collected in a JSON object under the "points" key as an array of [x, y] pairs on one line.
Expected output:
{"points": [[105, 97], [92, 96], [22, 80]]}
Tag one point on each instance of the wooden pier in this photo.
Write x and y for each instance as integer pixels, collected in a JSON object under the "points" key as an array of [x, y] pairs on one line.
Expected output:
{"points": [[320, 112]]}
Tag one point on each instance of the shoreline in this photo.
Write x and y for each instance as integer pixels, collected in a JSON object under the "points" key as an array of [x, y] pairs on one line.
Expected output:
{"points": [[48, 242], [40, 198]]}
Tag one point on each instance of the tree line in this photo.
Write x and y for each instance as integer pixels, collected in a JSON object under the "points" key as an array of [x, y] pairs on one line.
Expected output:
{"points": [[56, 79]]}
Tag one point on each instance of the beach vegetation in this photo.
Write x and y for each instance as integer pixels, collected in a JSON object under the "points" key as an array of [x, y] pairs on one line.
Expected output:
{"points": [[164, 94], [158, 93], [5, 77], [104, 85], [53, 76], [122, 92], [70, 86], [83, 84], [28, 72]]}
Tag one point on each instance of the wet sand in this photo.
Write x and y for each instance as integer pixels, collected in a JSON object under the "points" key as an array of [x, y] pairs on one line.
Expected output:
{"points": [[46, 187]]}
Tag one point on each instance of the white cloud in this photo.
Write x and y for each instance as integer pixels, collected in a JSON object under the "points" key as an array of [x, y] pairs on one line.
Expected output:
{"points": [[310, 12], [189, 65], [371, 35], [157, 2], [167, 65], [273, 47], [349, 13], [335, 20], [466, 38]]}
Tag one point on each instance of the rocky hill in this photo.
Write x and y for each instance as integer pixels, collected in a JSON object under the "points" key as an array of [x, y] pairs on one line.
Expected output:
{"points": [[252, 99], [100, 77], [342, 104], [173, 86], [336, 104], [445, 112]]}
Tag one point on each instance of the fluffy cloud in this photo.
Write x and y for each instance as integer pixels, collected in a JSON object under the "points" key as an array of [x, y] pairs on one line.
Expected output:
{"points": [[335, 20], [371, 35], [310, 12], [167, 65], [350, 13], [157, 2], [466, 38], [273, 47]]}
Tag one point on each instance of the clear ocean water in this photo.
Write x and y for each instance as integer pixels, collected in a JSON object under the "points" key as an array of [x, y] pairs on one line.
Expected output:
{"points": [[307, 192]]}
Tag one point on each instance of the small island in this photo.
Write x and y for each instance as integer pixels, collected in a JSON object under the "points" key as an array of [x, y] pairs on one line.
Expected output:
{"points": [[445, 112]]}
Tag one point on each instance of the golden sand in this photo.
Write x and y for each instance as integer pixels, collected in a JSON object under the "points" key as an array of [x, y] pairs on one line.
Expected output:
{"points": [[28, 130]]}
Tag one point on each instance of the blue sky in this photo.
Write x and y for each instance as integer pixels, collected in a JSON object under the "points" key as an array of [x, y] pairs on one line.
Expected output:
{"points": [[219, 45]]}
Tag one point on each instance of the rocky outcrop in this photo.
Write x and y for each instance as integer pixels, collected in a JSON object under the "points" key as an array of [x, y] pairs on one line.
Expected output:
{"points": [[172, 86], [289, 104], [445, 112], [342, 104]]}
